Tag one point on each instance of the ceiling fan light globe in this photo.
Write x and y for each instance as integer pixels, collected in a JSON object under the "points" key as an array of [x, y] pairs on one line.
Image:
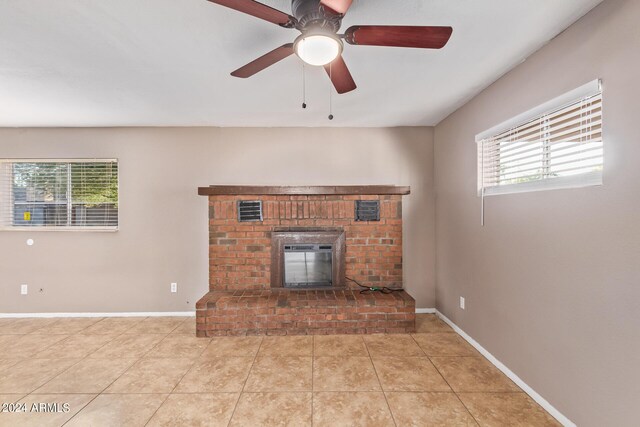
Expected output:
{"points": [[318, 50]]}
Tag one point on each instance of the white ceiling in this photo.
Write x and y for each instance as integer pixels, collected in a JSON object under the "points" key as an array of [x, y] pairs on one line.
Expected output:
{"points": [[167, 62]]}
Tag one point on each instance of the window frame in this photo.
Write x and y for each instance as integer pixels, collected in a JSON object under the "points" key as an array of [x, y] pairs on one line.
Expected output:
{"points": [[587, 179], [48, 228]]}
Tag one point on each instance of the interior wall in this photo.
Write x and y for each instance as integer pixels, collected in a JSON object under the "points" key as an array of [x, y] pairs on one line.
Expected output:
{"points": [[552, 280], [163, 235]]}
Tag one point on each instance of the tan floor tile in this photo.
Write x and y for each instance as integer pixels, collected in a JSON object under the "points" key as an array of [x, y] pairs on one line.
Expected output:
{"points": [[75, 346], [426, 323], [23, 346], [156, 325], [339, 345], [408, 374], [344, 374], [216, 374], [4, 321], [6, 340], [287, 346], [87, 376], [392, 345], [71, 325], [7, 363], [351, 409], [444, 344], [30, 374], [274, 374], [428, 409], [24, 326], [179, 346], [122, 410], [506, 409], [473, 374], [45, 355], [112, 326], [35, 418], [128, 346], [191, 410], [10, 398], [273, 409], [187, 327], [233, 346], [151, 376]]}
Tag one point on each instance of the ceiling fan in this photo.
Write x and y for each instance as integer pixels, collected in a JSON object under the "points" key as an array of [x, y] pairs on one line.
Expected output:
{"points": [[320, 44]]}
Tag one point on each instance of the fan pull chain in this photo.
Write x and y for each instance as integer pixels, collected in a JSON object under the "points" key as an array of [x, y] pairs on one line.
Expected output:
{"points": [[330, 91], [304, 87]]}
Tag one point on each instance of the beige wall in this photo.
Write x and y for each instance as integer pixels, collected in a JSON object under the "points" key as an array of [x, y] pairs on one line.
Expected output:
{"points": [[163, 234], [552, 282]]}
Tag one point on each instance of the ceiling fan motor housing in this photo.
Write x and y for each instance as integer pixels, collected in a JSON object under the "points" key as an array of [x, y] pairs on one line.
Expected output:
{"points": [[311, 15]]}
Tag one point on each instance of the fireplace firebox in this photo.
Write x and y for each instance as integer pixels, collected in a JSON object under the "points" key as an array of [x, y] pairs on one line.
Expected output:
{"points": [[308, 266], [307, 258]]}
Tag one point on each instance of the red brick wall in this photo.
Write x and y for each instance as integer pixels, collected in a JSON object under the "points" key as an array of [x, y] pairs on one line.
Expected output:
{"points": [[240, 252]]}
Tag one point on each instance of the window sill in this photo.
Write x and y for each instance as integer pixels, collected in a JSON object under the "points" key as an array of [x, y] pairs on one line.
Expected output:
{"points": [[72, 229], [576, 181]]}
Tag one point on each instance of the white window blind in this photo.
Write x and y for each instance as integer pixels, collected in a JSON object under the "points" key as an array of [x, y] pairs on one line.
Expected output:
{"points": [[58, 194], [559, 148]]}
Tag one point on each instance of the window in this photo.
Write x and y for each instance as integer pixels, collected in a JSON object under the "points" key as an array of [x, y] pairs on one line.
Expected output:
{"points": [[557, 145], [59, 194]]}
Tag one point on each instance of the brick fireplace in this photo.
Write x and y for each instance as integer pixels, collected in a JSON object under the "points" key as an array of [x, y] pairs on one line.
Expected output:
{"points": [[285, 260]]}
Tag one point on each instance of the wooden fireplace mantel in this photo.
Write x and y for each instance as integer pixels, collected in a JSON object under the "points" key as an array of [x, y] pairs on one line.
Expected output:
{"points": [[333, 190]]}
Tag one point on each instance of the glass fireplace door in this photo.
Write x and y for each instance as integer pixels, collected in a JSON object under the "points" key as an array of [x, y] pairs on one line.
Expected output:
{"points": [[308, 266]]}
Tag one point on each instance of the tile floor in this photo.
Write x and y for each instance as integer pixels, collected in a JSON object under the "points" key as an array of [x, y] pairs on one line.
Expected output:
{"points": [[155, 372]]}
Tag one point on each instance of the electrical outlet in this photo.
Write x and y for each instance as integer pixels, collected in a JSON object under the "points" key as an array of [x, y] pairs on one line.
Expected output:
{"points": [[174, 288], [462, 303], [24, 289]]}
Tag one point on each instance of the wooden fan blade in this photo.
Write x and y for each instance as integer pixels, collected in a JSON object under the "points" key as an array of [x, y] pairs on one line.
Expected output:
{"points": [[264, 61], [340, 76], [338, 6], [258, 10], [399, 36]]}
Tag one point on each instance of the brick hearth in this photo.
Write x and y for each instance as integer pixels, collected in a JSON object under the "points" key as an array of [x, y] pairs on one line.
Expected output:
{"points": [[244, 301], [281, 312]]}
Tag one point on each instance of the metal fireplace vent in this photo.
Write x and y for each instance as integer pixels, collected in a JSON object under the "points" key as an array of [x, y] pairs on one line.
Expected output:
{"points": [[249, 210], [367, 210]]}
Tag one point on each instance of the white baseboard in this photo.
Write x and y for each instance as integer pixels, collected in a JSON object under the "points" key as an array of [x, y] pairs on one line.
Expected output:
{"points": [[512, 376], [425, 310], [127, 314]]}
